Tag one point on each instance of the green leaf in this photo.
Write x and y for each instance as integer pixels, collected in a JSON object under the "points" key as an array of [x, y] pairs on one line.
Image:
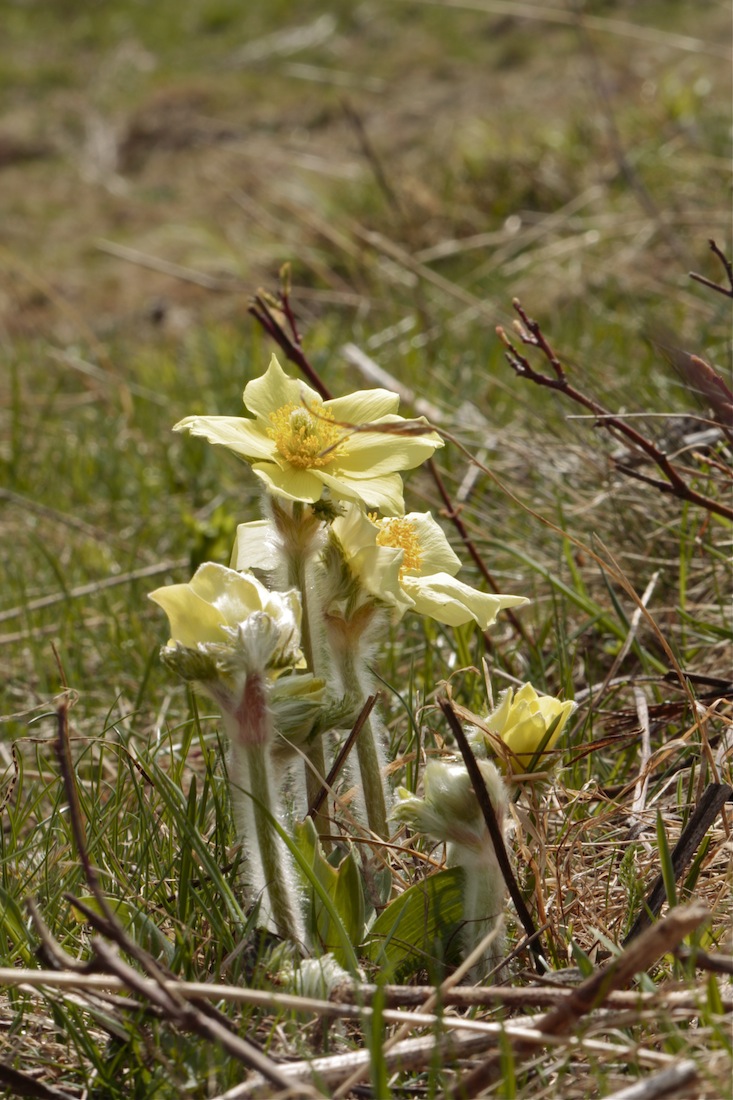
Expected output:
{"points": [[583, 963], [137, 923], [14, 930], [420, 927], [342, 885], [665, 859]]}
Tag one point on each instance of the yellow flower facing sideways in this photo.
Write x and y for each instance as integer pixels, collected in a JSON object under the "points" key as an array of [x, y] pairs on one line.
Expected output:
{"points": [[425, 582], [229, 622], [522, 721], [299, 444]]}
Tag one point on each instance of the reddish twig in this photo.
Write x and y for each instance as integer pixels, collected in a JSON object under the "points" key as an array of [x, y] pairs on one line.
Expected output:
{"points": [[344, 751], [531, 334], [276, 316], [454, 515], [727, 291]]}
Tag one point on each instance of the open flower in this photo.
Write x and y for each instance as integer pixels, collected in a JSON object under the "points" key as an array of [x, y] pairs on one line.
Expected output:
{"points": [[427, 569], [526, 722], [299, 445], [376, 568]]}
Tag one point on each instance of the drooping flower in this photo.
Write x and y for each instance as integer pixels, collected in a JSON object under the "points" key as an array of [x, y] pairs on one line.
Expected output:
{"points": [[230, 623], [426, 581], [298, 444], [450, 812], [241, 643], [526, 721]]}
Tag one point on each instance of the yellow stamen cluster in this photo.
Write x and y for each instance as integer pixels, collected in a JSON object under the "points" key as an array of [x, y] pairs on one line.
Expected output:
{"points": [[401, 534], [306, 439]]}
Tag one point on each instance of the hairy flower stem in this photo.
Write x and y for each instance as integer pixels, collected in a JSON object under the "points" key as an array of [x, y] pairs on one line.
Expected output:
{"points": [[254, 805], [277, 880], [298, 557], [483, 902], [349, 661]]}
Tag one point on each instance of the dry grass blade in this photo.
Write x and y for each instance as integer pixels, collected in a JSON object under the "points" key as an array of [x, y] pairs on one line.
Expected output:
{"points": [[545, 14], [97, 586]]}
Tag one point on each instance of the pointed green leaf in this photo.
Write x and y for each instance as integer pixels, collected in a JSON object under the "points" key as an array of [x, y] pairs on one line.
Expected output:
{"points": [[343, 886], [421, 926]]}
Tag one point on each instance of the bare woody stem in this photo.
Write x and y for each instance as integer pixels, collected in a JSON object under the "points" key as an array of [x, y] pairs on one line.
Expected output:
{"points": [[531, 334], [453, 514], [727, 291], [263, 309]]}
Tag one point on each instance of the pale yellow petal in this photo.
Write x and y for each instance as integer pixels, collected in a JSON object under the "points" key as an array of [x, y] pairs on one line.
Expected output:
{"points": [[268, 393], [236, 433], [192, 619]]}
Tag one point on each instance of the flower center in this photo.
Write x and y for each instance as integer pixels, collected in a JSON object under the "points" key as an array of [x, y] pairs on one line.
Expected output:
{"points": [[306, 439], [401, 534]]}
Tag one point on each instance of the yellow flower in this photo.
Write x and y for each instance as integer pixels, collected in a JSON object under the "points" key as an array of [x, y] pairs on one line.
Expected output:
{"points": [[426, 574], [523, 721], [299, 445], [377, 568], [228, 622]]}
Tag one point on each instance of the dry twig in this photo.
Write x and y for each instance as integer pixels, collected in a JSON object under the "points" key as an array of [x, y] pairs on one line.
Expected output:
{"points": [[531, 334], [719, 287]]}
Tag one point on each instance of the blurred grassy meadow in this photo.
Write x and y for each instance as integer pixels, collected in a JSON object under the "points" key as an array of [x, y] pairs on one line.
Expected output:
{"points": [[419, 165]]}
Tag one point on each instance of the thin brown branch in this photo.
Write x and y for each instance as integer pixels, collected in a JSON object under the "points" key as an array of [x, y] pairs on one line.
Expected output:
{"points": [[374, 161], [344, 751], [703, 960], [530, 333], [594, 991], [276, 317], [454, 515], [727, 291], [639, 956]]}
